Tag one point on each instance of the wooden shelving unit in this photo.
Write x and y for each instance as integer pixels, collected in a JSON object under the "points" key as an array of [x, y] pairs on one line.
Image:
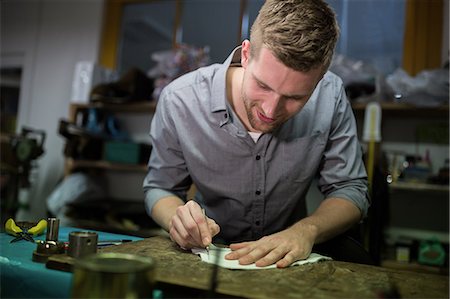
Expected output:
{"points": [[401, 109], [117, 213], [394, 113], [72, 164], [396, 109], [138, 107], [419, 186], [415, 267], [132, 107]]}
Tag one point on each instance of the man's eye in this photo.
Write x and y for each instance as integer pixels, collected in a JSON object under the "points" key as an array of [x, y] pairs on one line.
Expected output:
{"points": [[298, 99], [262, 86]]}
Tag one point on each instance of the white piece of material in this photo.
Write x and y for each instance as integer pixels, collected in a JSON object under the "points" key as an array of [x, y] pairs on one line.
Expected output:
{"points": [[211, 258]]}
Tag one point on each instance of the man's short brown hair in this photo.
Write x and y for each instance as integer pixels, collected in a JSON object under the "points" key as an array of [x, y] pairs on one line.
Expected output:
{"points": [[302, 34]]}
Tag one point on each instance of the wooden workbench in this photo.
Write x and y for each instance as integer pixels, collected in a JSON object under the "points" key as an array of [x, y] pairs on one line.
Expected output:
{"points": [[328, 279]]}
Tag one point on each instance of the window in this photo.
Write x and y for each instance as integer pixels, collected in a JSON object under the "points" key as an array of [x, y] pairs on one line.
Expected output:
{"points": [[371, 30]]}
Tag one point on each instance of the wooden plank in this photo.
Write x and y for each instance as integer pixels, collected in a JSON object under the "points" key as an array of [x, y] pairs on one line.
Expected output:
{"points": [[328, 279], [405, 110], [73, 164], [110, 34], [131, 107], [418, 186], [423, 35], [413, 266]]}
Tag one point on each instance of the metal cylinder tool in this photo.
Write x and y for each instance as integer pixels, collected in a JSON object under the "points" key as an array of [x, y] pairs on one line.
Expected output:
{"points": [[113, 275], [52, 229], [82, 243], [51, 245]]}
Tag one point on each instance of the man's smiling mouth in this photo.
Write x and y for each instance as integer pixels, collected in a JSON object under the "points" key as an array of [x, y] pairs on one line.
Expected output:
{"points": [[265, 119]]}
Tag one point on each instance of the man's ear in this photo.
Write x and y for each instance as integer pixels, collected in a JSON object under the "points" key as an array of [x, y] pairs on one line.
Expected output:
{"points": [[245, 53]]}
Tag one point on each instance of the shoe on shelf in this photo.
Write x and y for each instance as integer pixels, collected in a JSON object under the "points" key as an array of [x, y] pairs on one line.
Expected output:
{"points": [[134, 85]]}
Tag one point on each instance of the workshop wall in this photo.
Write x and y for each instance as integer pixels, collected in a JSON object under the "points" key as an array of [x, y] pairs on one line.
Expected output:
{"points": [[47, 38]]}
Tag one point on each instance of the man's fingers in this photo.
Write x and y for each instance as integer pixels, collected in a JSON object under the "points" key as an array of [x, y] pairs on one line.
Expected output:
{"points": [[179, 234], [265, 252], [196, 223], [189, 227], [177, 226], [287, 260], [204, 229], [253, 256], [236, 246], [239, 250], [182, 242], [214, 228], [272, 257], [202, 224], [189, 222]]}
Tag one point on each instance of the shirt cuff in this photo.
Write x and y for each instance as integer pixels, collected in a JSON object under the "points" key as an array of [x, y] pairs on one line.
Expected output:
{"points": [[355, 197], [153, 196]]}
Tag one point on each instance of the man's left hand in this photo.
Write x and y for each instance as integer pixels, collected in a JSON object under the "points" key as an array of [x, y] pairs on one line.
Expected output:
{"points": [[282, 248]]}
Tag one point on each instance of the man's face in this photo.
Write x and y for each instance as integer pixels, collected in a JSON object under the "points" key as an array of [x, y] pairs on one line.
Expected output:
{"points": [[272, 92]]}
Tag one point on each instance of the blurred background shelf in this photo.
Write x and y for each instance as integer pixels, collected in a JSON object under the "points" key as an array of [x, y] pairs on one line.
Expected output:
{"points": [[414, 266], [72, 164], [118, 163], [419, 186], [401, 109], [131, 107]]}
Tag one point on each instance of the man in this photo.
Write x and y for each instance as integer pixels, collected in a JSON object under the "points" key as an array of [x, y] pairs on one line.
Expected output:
{"points": [[252, 134]]}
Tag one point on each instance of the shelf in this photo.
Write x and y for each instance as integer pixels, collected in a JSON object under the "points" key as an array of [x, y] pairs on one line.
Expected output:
{"points": [[414, 186], [146, 107], [414, 266], [401, 109], [393, 233], [132, 107], [101, 164]]}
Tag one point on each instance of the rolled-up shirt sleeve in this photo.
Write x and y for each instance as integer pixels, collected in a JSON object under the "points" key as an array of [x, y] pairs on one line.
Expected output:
{"points": [[342, 173], [167, 172]]}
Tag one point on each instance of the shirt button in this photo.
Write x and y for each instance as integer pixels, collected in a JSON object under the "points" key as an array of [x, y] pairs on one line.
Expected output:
{"points": [[257, 192], [258, 157], [257, 222], [225, 115]]}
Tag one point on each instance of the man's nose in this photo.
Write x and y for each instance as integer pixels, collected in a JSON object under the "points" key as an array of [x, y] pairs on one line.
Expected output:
{"points": [[271, 104]]}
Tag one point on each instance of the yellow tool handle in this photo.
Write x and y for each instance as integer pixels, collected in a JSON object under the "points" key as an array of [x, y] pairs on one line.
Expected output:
{"points": [[12, 228], [39, 228]]}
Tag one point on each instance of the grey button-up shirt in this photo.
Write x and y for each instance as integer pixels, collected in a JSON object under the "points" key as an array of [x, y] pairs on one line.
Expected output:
{"points": [[252, 189]]}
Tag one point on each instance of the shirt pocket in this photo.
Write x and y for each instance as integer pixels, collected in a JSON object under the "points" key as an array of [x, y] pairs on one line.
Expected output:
{"points": [[301, 158]]}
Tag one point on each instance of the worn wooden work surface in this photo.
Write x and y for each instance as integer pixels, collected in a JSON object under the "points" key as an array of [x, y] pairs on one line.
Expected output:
{"points": [[327, 279]]}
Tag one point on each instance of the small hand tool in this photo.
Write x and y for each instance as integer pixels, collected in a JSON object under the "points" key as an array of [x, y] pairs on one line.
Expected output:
{"points": [[206, 219], [23, 233]]}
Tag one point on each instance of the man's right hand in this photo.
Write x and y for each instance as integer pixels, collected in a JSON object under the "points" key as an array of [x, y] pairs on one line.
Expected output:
{"points": [[190, 228]]}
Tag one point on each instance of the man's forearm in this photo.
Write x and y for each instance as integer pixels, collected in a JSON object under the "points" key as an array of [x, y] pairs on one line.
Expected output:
{"points": [[164, 209], [333, 217]]}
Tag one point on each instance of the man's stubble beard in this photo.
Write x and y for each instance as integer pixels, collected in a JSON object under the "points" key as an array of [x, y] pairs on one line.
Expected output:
{"points": [[248, 105]]}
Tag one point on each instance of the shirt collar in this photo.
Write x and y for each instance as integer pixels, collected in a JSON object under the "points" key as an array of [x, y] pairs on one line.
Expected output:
{"points": [[219, 90]]}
